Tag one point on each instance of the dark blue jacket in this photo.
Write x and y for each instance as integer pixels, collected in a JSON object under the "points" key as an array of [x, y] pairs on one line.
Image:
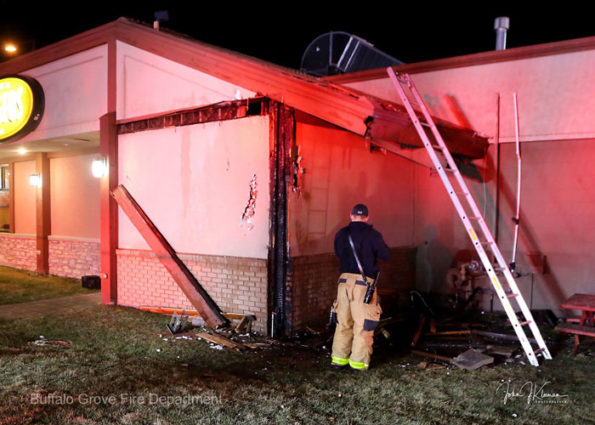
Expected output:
{"points": [[369, 246]]}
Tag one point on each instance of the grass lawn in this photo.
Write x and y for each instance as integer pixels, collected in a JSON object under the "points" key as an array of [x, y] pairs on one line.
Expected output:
{"points": [[19, 286], [120, 371]]}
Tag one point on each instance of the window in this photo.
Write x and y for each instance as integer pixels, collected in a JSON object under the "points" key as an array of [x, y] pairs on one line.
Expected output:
{"points": [[4, 177]]}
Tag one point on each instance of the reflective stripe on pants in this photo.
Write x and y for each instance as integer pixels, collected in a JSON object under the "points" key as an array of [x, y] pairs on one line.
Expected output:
{"points": [[339, 361]]}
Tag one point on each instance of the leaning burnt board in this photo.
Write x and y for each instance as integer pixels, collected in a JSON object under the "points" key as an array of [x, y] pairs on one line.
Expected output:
{"points": [[197, 295]]}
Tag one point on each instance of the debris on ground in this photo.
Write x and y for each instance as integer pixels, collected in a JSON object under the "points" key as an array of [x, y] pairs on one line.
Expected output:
{"points": [[472, 359], [430, 365], [432, 355], [465, 341], [188, 326], [445, 333], [501, 350], [245, 324], [466, 348], [44, 342], [220, 340], [177, 323]]}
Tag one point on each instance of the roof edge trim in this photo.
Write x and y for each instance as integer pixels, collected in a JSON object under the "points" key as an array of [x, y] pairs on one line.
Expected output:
{"points": [[474, 59]]}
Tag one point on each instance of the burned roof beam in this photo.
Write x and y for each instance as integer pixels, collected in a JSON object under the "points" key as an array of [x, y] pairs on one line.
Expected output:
{"points": [[390, 124], [223, 111]]}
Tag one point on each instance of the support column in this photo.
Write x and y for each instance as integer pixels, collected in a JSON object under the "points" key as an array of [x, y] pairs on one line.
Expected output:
{"points": [[108, 148], [282, 133], [42, 207], [11, 197]]}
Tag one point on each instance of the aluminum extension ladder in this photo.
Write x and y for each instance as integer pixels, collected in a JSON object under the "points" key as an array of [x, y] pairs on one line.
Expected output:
{"points": [[474, 223]]}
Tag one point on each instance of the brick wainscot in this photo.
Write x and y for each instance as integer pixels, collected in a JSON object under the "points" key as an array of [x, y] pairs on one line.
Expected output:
{"points": [[238, 285], [19, 251]]}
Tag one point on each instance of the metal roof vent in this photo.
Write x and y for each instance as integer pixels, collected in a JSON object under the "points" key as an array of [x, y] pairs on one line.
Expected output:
{"points": [[339, 52], [501, 25]]}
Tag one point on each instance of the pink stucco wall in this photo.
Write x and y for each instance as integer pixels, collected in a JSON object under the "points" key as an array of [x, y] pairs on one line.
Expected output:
{"points": [[337, 171], [148, 83], [24, 198], [74, 196], [334, 171], [194, 182]]}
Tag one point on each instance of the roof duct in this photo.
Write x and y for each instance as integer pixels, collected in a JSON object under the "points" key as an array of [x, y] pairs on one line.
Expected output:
{"points": [[501, 26], [339, 52]]}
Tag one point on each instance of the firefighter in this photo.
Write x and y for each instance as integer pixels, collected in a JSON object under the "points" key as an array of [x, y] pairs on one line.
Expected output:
{"points": [[356, 320]]}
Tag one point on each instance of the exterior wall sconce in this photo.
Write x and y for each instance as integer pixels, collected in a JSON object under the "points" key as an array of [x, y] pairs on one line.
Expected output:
{"points": [[35, 180], [99, 168]]}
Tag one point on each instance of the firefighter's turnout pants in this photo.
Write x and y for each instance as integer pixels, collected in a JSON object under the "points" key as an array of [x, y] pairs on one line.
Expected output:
{"points": [[356, 321]]}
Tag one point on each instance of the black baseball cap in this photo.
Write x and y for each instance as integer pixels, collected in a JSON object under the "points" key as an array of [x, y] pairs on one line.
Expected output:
{"points": [[360, 209]]}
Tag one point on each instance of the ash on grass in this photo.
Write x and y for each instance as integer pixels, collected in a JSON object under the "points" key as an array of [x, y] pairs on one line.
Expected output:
{"points": [[118, 370]]}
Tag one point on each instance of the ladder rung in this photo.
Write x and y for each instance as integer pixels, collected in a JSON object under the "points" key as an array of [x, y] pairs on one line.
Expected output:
{"points": [[513, 295], [475, 218], [539, 350], [446, 170], [528, 322], [487, 242]]}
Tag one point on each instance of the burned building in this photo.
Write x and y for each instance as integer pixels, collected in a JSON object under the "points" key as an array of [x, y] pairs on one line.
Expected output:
{"points": [[248, 169]]}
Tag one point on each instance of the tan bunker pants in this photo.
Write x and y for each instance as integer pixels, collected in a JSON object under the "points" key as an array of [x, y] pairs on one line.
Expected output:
{"points": [[356, 321]]}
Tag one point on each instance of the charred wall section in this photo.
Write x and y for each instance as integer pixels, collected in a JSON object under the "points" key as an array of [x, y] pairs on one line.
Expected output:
{"points": [[332, 170]]}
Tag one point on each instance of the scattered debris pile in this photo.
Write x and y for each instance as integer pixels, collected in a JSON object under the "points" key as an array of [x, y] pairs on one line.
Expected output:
{"points": [[462, 340], [189, 326], [466, 340]]}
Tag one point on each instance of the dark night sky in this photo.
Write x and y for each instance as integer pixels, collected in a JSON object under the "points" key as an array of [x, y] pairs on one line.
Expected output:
{"points": [[280, 32]]}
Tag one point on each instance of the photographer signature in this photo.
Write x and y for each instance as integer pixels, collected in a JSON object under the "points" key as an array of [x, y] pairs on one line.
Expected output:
{"points": [[533, 392]]}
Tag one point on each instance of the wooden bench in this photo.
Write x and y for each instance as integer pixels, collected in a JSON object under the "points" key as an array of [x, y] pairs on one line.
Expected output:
{"points": [[576, 330], [571, 328], [585, 303]]}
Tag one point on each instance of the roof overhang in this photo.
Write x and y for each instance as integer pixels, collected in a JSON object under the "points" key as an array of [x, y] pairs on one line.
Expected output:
{"points": [[355, 112]]}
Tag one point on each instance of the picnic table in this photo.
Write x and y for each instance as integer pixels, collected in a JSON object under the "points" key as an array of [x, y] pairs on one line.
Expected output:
{"points": [[585, 325]]}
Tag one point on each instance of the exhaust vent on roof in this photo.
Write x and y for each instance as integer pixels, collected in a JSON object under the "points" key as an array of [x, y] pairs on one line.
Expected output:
{"points": [[338, 52], [501, 25]]}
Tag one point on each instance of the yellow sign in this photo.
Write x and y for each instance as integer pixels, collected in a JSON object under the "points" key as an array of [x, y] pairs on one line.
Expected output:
{"points": [[21, 106]]}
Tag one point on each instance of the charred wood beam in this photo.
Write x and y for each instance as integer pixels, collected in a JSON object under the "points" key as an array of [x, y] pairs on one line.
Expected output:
{"points": [[392, 126], [224, 111], [193, 290]]}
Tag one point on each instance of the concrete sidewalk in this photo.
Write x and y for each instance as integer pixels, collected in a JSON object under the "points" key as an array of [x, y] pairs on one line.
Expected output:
{"points": [[51, 306]]}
